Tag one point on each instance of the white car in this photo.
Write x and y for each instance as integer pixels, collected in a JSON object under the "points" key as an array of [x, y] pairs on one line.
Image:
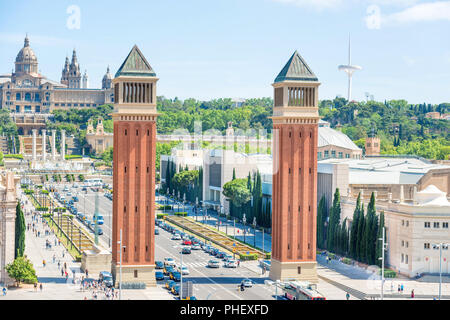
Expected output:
{"points": [[247, 283], [196, 247], [176, 236], [169, 262], [184, 270], [231, 263], [213, 264]]}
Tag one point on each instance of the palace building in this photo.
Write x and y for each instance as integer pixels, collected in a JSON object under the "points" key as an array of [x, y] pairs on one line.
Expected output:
{"points": [[30, 96]]}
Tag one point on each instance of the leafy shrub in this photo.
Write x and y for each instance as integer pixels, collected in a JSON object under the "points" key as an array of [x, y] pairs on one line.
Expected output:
{"points": [[388, 273], [347, 260], [268, 255], [160, 215], [181, 214], [72, 156], [13, 156], [251, 256], [42, 209], [165, 207]]}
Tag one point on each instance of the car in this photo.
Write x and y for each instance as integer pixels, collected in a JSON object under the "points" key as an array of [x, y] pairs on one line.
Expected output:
{"points": [[70, 202], [84, 189], [69, 194], [176, 276], [167, 270], [214, 252], [213, 264], [187, 242], [176, 290], [99, 231], [186, 250], [169, 262], [106, 278], [247, 283], [159, 264], [176, 237], [227, 257], [195, 247], [75, 199], [169, 284], [159, 275], [66, 189], [75, 185], [156, 231], [231, 264], [184, 270], [220, 255]]}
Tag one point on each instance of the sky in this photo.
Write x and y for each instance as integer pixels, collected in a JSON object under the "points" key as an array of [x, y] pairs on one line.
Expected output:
{"points": [[207, 49]]}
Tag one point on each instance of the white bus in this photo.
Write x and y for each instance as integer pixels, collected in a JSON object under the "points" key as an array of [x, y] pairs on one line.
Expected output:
{"points": [[298, 290], [95, 182]]}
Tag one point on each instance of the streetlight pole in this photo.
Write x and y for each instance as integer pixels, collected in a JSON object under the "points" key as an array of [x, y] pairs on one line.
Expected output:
{"points": [[244, 219], [383, 247], [254, 232], [196, 209], [440, 246], [120, 268]]}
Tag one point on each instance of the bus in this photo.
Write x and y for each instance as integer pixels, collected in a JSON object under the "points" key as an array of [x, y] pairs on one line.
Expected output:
{"points": [[95, 182], [297, 290]]}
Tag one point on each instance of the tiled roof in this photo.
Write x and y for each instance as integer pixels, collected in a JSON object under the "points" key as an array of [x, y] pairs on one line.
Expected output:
{"points": [[296, 69], [328, 136], [135, 64]]}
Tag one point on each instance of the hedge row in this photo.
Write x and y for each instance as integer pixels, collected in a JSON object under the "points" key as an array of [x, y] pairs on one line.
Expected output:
{"points": [[13, 156], [389, 273], [165, 207], [251, 256], [161, 215], [72, 156], [42, 209], [181, 214]]}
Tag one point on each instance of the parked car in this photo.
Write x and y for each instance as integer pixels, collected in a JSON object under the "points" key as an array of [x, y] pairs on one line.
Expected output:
{"points": [[159, 264], [176, 237], [220, 255], [100, 231], [186, 250], [227, 257], [213, 264], [187, 242], [156, 231], [169, 262], [176, 276], [159, 275], [167, 270], [195, 247], [169, 284], [176, 290], [184, 270]]}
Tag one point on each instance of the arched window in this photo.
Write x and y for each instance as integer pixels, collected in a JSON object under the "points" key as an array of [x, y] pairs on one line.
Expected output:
{"points": [[18, 97], [27, 96]]}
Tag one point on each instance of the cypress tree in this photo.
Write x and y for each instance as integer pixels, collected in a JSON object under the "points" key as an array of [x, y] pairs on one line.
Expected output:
{"points": [[360, 246], [20, 232], [370, 231], [354, 228], [335, 214], [321, 215]]}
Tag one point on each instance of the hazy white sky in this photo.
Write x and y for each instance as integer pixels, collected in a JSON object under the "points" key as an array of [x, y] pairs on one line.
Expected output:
{"points": [[235, 48]]}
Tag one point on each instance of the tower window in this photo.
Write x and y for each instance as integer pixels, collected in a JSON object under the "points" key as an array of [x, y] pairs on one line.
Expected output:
{"points": [[300, 134], [135, 209], [125, 131], [124, 209], [125, 169], [289, 134], [147, 169], [309, 170], [137, 132], [135, 273], [148, 132], [299, 270], [310, 134]]}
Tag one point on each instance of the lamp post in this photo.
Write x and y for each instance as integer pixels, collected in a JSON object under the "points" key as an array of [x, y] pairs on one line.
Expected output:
{"points": [[196, 209], [383, 248], [440, 246], [184, 201], [254, 231], [120, 268], [226, 223], [244, 220], [181, 272]]}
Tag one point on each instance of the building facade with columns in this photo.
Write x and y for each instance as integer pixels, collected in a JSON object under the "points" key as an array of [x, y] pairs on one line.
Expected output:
{"points": [[8, 203], [30, 96]]}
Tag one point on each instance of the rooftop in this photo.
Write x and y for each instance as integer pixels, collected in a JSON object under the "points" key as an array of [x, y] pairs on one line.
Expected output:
{"points": [[296, 69], [328, 136], [135, 65]]}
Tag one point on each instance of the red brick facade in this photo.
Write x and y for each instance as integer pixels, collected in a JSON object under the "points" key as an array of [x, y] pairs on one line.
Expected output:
{"points": [[134, 191], [294, 196]]}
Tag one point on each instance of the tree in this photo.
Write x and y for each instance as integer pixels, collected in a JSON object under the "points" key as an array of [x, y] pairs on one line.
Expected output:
{"points": [[321, 218], [20, 232], [361, 248], [354, 229], [237, 192], [370, 231], [21, 269], [335, 215]]}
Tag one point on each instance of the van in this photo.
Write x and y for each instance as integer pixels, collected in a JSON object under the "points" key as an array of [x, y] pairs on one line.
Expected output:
{"points": [[106, 278]]}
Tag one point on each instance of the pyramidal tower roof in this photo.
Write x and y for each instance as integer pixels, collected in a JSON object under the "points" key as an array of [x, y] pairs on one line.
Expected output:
{"points": [[296, 69], [135, 65]]}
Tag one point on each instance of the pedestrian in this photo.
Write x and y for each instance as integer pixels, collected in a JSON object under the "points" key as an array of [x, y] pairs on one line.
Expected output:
{"points": [[59, 264], [40, 286], [412, 294], [4, 291], [239, 262], [398, 289], [43, 263], [87, 273], [401, 288], [62, 272], [35, 286], [347, 296], [54, 258]]}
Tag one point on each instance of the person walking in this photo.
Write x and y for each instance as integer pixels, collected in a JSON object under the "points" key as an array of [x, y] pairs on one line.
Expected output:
{"points": [[401, 287], [43, 263], [35, 286], [40, 287], [412, 294], [347, 296], [398, 289], [87, 273], [4, 291]]}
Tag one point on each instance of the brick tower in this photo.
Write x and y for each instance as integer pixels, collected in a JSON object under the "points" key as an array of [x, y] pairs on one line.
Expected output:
{"points": [[134, 169], [294, 196]]}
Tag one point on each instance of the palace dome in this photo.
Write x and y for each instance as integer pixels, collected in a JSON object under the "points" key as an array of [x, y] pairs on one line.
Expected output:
{"points": [[26, 54]]}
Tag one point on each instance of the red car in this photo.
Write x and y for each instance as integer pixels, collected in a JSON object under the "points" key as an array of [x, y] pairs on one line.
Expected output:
{"points": [[187, 242]]}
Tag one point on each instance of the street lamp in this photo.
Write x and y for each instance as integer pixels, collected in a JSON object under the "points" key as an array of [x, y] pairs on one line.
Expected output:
{"points": [[196, 209], [184, 201], [244, 219], [383, 248], [181, 272], [254, 231], [120, 268], [227, 215], [440, 246]]}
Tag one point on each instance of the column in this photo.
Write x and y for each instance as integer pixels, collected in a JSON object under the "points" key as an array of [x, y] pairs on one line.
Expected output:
{"points": [[44, 140], [54, 145], [34, 145], [63, 145]]}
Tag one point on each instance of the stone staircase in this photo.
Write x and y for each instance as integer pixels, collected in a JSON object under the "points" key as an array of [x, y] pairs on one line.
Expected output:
{"points": [[4, 145]]}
